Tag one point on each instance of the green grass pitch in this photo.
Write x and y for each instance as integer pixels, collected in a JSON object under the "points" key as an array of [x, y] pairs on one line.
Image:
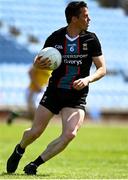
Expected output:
{"points": [[100, 151]]}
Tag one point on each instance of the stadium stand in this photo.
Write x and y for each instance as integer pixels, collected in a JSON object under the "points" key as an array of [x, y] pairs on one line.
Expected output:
{"points": [[17, 52]]}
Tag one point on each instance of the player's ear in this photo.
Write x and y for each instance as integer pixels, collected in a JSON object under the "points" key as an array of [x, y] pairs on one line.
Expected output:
{"points": [[74, 19]]}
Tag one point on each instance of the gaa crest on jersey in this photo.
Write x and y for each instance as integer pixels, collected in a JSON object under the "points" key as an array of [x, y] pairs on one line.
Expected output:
{"points": [[72, 47], [85, 47], [58, 46]]}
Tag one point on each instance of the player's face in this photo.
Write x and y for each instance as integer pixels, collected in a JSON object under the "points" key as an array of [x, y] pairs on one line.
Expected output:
{"points": [[83, 19]]}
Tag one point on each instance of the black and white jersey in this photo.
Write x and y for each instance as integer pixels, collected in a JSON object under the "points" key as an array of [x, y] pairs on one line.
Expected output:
{"points": [[76, 54]]}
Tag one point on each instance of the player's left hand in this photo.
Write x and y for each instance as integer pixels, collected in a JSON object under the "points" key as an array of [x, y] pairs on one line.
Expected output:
{"points": [[81, 83]]}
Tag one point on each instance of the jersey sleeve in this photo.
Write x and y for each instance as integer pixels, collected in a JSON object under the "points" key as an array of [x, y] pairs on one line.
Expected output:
{"points": [[96, 49], [55, 37], [48, 42]]}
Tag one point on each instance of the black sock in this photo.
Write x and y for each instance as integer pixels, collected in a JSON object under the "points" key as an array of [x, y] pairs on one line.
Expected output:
{"points": [[38, 161], [20, 149]]}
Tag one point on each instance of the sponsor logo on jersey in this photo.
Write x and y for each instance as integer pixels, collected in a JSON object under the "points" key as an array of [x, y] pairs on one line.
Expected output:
{"points": [[75, 59], [73, 62]]}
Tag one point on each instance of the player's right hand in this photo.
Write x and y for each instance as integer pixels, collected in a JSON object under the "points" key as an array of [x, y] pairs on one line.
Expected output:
{"points": [[41, 63]]}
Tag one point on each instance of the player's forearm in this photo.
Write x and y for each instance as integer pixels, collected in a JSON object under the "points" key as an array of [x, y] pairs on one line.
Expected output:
{"points": [[97, 75]]}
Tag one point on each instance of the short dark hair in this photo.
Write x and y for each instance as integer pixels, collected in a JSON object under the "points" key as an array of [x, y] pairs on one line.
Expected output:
{"points": [[73, 9]]}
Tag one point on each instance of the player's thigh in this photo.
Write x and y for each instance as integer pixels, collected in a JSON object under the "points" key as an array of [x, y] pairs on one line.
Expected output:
{"points": [[72, 118], [42, 117]]}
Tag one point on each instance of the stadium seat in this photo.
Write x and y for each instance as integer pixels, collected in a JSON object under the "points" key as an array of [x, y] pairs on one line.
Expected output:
{"points": [[109, 24]]}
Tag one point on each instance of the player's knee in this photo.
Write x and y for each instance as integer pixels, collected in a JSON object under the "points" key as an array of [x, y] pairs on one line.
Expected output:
{"points": [[69, 136]]}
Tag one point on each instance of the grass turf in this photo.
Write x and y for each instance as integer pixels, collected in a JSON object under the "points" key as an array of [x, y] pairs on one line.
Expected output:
{"points": [[98, 152]]}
